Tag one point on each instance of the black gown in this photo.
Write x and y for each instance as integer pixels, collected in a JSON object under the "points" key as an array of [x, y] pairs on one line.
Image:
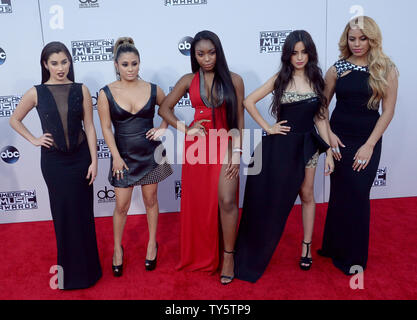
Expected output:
{"points": [[346, 231], [270, 195], [146, 163], [64, 168]]}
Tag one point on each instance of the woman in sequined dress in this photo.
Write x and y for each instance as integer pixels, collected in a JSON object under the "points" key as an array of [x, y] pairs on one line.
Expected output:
{"points": [[289, 157]]}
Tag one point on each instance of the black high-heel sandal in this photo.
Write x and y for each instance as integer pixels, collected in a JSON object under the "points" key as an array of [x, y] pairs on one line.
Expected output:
{"points": [[224, 276], [306, 262], [118, 270], [151, 264]]}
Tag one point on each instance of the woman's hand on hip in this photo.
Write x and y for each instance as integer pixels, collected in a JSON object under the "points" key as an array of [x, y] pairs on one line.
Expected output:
{"points": [[44, 140], [278, 128], [197, 129], [155, 133]]}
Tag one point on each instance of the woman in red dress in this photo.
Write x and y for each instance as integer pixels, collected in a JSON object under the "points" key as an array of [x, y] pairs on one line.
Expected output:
{"points": [[212, 149]]}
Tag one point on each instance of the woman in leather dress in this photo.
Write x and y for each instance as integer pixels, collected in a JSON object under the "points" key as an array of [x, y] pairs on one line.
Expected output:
{"points": [[129, 104]]}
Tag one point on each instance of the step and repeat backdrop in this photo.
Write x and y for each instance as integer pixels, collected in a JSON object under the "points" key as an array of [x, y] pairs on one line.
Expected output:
{"points": [[252, 34]]}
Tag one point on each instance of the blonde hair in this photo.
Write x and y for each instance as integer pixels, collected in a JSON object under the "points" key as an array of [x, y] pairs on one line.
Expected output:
{"points": [[124, 44], [379, 64]]}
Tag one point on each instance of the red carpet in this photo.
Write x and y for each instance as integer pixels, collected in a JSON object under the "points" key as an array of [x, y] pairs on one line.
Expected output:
{"points": [[28, 251]]}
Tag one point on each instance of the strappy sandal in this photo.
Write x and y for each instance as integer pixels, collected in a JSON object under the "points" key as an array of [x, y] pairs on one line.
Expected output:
{"points": [[306, 262], [224, 276]]}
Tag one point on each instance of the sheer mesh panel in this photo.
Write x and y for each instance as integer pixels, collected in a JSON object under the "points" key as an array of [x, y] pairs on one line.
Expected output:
{"points": [[61, 94]]}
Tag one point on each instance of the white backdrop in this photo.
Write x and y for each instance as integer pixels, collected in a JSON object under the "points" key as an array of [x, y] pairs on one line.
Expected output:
{"points": [[158, 26]]}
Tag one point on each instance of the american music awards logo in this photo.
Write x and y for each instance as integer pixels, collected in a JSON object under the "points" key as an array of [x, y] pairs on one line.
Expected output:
{"points": [[177, 189], [18, 200], [380, 178], [272, 41], [103, 151], [5, 6], [184, 101], [184, 45], [8, 105], [184, 2], [92, 50], [88, 4], [106, 195]]}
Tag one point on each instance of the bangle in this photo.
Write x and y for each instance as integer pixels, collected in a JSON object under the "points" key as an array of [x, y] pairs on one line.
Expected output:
{"points": [[237, 150]]}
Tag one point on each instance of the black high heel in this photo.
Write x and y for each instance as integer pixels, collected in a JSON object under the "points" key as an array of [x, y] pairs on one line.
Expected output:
{"points": [[151, 264], [118, 270], [224, 276], [306, 262]]}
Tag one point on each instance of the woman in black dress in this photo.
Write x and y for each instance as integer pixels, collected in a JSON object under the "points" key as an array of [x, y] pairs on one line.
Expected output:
{"points": [[288, 157], [129, 103], [68, 162], [362, 78]]}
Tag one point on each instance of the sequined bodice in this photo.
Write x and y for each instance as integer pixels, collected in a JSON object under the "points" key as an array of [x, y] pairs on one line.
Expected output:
{"points": [[291, 96]]}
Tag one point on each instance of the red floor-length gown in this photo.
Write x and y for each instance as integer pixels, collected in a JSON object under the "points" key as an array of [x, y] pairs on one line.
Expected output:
{"points": [[202, 162]]}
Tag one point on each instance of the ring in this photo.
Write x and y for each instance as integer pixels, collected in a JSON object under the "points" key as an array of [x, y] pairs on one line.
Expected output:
{"points": [[334, 149], [360, 161], [337, 149], [364, 161], [118, 171]]}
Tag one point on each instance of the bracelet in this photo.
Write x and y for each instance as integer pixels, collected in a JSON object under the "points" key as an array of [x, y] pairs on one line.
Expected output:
{"points": [[237, 150]]}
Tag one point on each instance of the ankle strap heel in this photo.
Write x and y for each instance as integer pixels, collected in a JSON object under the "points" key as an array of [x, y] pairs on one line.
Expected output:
{"points": [[305, 261]]}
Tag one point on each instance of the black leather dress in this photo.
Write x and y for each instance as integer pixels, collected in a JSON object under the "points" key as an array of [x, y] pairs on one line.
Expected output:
{"points": [[136, 150]]}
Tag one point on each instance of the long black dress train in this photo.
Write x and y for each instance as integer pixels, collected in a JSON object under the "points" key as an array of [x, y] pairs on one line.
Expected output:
{"points": [[270, 195], [346, 231], [146, 164], [64, 168]]}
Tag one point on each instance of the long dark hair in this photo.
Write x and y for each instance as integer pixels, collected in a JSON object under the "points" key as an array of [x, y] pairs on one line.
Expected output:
{"points": [[50, 48], [222, 78], [285, 74]]}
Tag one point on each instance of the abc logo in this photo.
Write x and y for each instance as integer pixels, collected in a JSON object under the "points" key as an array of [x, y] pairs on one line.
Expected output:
{"points": [[95, 98], [106, 194], [2, 56], [185, 45], [9, 154]]}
